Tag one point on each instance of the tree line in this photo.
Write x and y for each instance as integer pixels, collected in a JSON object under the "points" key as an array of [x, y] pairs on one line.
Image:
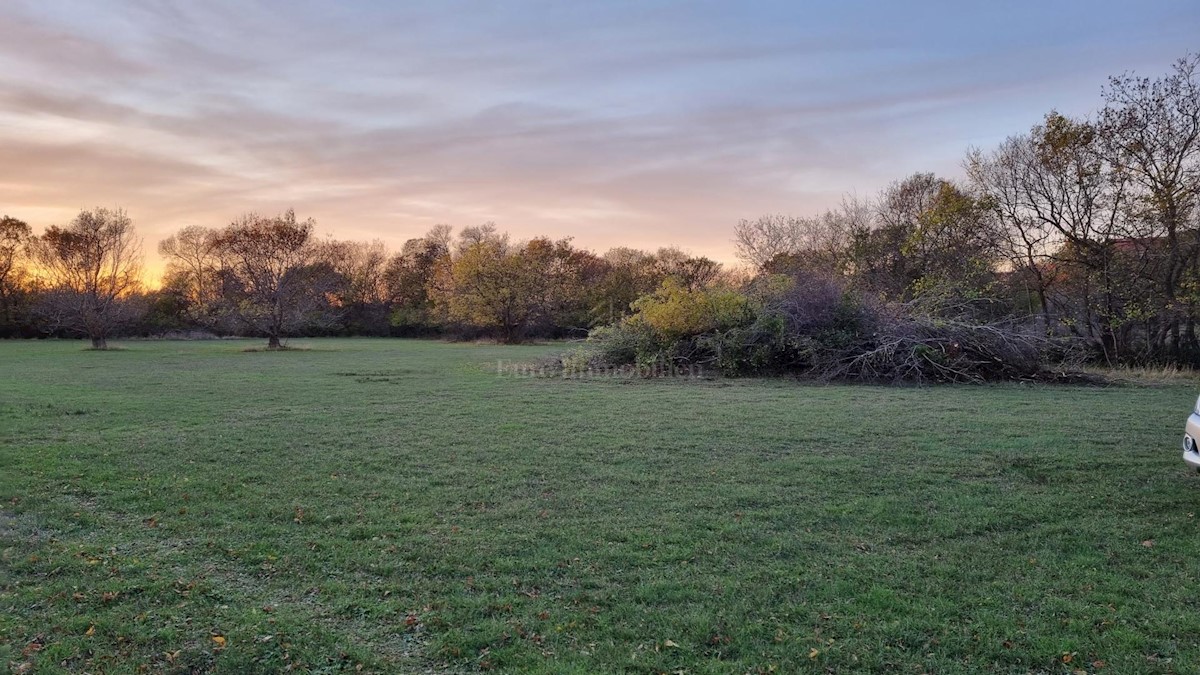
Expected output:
{"points": [[1080, 231], [274, 277]]}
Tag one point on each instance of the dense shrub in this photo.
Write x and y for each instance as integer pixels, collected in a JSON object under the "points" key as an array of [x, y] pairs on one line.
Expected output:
{"points": [[674, 311], [675, 327]]}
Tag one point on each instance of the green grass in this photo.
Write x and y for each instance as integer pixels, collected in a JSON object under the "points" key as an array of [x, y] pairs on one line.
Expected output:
{"points": [[397, 506]]}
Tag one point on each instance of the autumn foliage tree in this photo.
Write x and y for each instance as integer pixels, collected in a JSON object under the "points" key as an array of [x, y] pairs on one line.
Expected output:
{"points": [[541, 285], [90, 271], [491, 287], [273, 280], [412, 280]]}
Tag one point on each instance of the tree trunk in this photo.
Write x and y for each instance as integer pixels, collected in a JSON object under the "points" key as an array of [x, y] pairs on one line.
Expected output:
{"points": [[99, 342], [1176, 343], [273, 342], [1047, 325], [1189, 339]]}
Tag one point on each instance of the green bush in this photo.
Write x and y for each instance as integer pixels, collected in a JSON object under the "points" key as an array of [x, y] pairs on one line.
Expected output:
{"points": [[674, 312]]}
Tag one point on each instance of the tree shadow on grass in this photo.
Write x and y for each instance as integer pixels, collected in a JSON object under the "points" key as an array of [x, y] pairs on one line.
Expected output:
{"points": [[285, 348], [251, 350]]}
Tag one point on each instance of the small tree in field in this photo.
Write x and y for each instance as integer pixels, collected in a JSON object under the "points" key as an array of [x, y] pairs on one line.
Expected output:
{"points": [[273, 280], [90, 270]]}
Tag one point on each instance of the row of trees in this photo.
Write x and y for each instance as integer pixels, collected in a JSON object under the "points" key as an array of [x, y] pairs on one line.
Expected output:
{"points": [[272, 276], [1089, 228]]}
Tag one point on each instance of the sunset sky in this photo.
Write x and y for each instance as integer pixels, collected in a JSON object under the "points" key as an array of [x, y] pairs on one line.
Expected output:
{"points": [[634, 123]]}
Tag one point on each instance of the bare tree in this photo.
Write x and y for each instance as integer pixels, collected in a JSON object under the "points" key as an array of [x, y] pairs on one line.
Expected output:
{"points": [[693, 272], [784, 244], [441, 235], [273, 280], [1060, 206], [1028, 242], [193, 267], [1150, 130], [758, 242], [472, 236], [90, 270]]}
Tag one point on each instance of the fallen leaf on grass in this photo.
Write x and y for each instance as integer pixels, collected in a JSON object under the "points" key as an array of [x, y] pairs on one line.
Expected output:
{"points": [[90, 631], [813, 654], [669, 643], [1149, 543], [219, 641]]}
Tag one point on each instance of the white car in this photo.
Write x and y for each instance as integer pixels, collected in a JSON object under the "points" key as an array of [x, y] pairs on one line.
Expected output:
{"points": [[1191, 438]]}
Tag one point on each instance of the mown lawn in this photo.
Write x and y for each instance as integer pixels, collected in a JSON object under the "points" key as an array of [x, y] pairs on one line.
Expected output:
{"points": [[398, 506]]}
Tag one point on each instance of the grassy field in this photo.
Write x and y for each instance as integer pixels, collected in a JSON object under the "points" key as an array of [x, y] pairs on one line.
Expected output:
{"points": [[398, 506]]}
